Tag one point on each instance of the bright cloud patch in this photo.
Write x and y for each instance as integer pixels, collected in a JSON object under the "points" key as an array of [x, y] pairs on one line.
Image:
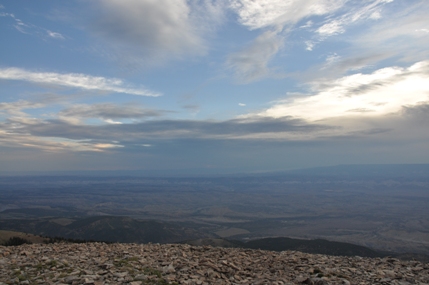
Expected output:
{"points": [[75, 80], [382, 92], [265, 13], [329, 29], [55, 35]]}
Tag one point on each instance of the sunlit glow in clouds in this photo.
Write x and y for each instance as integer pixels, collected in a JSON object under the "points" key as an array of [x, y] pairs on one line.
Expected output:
{"points": [[380, 93]]}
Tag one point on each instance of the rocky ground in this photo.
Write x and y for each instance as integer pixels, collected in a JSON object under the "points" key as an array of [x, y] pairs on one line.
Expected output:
{"points": [[138, 264]]}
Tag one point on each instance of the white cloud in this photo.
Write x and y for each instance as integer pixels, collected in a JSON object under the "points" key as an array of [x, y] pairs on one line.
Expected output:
{"points": [[400, 33], [307, 25], [375, 16], [252, 63], [109, 121], [152, 30], [16, 108], [383, 92], [422, 30], [74, 80], [108, 112], [277, 17], [331, 59], [55, 35], [31, 29], [11, 136], [106, 145], [278, 13], [403, 38], [309, 45], [363, 11], [241, 104], [14, 135], [330, 29], [408, 23], [369, 11], [19, 25]]}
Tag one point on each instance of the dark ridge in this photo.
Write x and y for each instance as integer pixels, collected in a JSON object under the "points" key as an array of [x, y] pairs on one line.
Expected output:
{"points": [[318, 246], [108, 229], [215, 242]]}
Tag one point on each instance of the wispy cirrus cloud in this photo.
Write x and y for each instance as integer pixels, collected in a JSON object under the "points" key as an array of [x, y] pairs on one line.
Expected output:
{"points": [[379, 44], [30, 29], [252, 62], [409, 38], [277, 18], [74, 80], [279, 13], [332, 28], [18, 24], [337, 25], [55, 35], [324, 19]]}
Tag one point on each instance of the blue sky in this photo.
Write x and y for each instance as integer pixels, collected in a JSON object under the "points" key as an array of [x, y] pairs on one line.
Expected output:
{"points": [[212, 86]]}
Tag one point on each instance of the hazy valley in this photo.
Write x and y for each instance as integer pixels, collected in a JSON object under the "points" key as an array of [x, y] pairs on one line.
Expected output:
{"points": [[384, 208]]}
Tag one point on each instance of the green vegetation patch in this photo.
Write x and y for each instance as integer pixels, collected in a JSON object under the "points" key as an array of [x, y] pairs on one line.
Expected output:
{"points": [[15, 241]]}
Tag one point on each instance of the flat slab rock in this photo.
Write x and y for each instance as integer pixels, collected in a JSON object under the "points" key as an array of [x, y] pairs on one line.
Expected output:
{"points": [[139, 264]]}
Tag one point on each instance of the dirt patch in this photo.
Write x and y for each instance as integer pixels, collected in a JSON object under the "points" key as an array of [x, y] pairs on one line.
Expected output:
{"points": [[6, 235]]}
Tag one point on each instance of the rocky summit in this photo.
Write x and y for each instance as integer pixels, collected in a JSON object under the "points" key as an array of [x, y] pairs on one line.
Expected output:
{"points": [[138, 264]]}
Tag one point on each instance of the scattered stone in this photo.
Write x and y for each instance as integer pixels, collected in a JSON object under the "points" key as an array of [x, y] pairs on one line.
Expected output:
{"points": [[139, 264]]}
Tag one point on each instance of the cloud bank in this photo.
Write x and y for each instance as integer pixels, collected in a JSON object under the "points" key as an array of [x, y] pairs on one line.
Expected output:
{"points": [[382, 92], [151, 30]]}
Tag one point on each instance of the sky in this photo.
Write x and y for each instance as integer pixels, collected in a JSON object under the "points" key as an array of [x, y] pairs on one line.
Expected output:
{"points": [[223, 86]]}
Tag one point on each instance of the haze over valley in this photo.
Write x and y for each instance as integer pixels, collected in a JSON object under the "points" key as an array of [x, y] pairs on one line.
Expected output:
{"points": [[383, 207]]}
